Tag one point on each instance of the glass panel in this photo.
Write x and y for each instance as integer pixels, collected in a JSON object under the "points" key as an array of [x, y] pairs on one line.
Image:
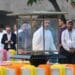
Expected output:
{"points": [[35, 36], [24, 36], [50, 34]]}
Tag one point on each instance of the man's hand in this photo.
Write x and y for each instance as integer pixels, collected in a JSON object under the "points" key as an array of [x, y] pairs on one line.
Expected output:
{"points": [[72, 50], [60, 45], [11, 42], [6, 41]]}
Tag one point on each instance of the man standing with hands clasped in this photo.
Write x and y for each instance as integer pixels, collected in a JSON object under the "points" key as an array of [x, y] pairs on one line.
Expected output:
{"points": [[41, 35], [68, 43], [9, 39]]}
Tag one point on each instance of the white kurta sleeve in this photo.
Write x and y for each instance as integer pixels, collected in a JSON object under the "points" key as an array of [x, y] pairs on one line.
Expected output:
{"points": [[35, 41], [52, 45], [64, 41]]}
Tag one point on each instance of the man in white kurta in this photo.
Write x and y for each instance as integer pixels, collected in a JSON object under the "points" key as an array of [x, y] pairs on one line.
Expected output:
{"points": [[68, 39], [1, 35], [68, 43], [41, 36], [42, 41]]}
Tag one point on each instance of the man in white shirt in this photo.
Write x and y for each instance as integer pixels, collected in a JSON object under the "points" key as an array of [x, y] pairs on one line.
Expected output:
{"points": [[68, 43], [9, 39], [42, 39], [1, 34]]}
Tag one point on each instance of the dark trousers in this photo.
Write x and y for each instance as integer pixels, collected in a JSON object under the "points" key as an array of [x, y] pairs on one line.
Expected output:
{"points": [[66, 57]]}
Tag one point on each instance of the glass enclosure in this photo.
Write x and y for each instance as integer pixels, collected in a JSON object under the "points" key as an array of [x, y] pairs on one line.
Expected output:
{"points": [[37, 34]]}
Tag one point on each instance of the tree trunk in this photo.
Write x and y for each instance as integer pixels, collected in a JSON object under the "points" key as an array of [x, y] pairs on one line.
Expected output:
{"points": [[56, 6]]}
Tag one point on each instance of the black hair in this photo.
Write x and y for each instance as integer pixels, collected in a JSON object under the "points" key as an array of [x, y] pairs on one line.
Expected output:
{"points": [[62, 18], [70, 22], [1, 25], [8, 26]]}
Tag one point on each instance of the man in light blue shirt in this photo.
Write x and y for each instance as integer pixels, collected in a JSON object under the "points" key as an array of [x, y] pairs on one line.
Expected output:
{"points": [[24, 36]]}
